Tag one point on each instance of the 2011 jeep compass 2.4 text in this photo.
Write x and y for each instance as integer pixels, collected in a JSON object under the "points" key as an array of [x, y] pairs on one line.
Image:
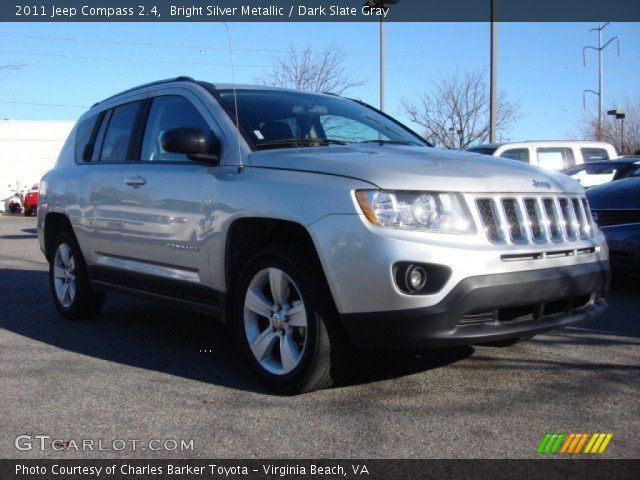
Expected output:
{"points": [[311, 223]]}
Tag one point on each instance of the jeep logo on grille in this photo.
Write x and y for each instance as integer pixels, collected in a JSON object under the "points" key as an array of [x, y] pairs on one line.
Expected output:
{"points": [[539, 184]]}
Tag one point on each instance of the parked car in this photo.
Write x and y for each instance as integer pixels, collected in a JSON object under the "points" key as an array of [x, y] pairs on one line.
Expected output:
{"points": [[320, 223], [31, 201], [596, 173], [616, 208], [556, 155], [14, 203]]}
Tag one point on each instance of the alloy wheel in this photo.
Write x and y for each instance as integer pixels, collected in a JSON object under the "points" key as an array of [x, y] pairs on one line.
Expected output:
{"points": [[64, 275], [275, 321]]}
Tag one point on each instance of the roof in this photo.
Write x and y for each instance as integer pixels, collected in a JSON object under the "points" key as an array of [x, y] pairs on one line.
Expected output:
{"points": [[559, 142], [218, 86]]}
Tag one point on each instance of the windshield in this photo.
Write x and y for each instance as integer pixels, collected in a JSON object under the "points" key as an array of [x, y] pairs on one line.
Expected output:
{"points": [[284, 119]]}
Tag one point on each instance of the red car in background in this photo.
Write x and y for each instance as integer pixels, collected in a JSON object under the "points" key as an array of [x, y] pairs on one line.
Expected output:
{"points": [[31, 201]]}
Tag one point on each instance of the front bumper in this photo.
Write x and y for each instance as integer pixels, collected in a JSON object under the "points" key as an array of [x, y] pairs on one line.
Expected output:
{"points": [[489, 308]]}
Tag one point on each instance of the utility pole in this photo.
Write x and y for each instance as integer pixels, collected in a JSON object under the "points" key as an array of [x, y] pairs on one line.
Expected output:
{"points": [[600, 93], [381, 4], [493, 80]]}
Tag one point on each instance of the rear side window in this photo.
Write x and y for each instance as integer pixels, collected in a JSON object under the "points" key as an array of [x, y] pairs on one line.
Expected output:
{"points": [[168, 112], [85, 133], [594, 154], [555, 158], [520, 154], [118, 136]]}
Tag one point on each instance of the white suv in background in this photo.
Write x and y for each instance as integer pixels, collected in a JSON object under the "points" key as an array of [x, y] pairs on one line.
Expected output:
{"points": [[556, 155]]}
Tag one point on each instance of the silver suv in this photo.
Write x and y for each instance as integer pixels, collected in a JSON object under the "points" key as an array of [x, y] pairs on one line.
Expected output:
{"points": [[312, 224]]}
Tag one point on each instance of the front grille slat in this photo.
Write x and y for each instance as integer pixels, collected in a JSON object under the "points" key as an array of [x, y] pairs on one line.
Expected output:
{"points": [[522, 219], [536, 223], [583, 228], [513, 215], [567, 218], [490, 219]]}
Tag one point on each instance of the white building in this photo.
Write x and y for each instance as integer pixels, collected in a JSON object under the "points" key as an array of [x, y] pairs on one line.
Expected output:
{"points": [[28, 149]]}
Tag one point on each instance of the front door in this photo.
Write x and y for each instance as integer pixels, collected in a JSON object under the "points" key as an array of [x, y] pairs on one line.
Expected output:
{"points": [[167, 210]]}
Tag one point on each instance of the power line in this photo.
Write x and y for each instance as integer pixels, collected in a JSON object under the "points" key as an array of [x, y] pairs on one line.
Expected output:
{"points": [[277, 51], [250, 65], [43, 104]]}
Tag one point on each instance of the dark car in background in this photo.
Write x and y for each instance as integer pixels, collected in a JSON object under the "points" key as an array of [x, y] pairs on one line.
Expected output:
{"points": [[616, 209], [593, 174]]}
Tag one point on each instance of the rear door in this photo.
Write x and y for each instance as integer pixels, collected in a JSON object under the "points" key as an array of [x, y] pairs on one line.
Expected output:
{"points": [[109, 155], [168, 205]]}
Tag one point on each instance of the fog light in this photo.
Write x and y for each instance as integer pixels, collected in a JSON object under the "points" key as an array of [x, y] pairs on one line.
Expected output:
{"points": [[416, 277]]}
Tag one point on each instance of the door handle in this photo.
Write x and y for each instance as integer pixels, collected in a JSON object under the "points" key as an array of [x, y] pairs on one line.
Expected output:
{"points": [[136, 181]]}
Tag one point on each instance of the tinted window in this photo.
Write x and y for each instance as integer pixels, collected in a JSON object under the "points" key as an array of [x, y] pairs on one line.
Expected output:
{"points": [[521, 154], [634, 173], [166, 113], [283, 119], [116, 140], [84, 135], [555, 158], [594, 154]]}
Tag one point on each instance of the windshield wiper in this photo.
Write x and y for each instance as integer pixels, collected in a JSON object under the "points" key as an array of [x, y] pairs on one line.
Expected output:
{"points": [[295, 142], [391, 142]]}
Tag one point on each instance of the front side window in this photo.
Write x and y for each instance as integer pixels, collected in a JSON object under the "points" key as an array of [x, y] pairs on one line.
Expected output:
{"points": [[116, 140], [284, 119], [594, 154], [168, 112], [555, 158], [520, 154]]}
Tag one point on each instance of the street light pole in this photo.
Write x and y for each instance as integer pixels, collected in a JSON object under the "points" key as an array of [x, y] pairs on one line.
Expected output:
{"points": [[381, 4], [619, 115], [493, 80], [382, 63], [600, 93]]}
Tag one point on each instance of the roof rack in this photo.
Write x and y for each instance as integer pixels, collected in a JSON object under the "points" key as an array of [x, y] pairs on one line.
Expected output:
{"points": [[158, 82]]}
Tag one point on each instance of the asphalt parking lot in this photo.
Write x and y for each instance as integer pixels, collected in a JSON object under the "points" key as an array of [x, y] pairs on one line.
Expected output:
{"points": [[139, 372]]}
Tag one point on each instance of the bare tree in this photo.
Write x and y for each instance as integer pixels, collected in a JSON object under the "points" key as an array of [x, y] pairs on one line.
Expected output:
{"points": [[627, 141], [455, 113], [321, 71]]}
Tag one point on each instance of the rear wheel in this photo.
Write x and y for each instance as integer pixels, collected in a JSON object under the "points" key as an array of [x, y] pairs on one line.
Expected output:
{"points": [[72, 294], [286, 323]]}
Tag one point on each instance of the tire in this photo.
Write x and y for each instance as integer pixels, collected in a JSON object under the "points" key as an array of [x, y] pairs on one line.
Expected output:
{"points": [[302, 345], [67, 266], [27, 213]]}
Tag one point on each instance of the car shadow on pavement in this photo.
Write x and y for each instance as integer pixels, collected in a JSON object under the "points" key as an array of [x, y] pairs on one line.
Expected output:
{"points": [[157, 337]]}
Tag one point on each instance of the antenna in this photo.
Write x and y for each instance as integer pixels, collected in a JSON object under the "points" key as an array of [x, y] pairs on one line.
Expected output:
{"points": [[235, 98]]}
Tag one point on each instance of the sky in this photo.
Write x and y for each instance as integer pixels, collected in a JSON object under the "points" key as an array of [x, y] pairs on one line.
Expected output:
{"points": [[70, 66]]}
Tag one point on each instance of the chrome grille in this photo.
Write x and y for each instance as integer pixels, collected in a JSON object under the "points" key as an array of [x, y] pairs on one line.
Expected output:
{"points": [[535, 219]]}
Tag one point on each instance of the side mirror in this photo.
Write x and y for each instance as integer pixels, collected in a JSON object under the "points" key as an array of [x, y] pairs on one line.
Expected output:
{"points": [[195, 142]]}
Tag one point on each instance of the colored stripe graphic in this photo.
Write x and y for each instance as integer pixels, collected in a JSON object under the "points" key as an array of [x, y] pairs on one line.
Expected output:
{"points": [[550, 443], [572, 443]]}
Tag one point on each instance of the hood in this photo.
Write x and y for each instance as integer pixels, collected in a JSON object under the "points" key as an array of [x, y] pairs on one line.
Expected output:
{"points": [[620, 194], [403, 167]]}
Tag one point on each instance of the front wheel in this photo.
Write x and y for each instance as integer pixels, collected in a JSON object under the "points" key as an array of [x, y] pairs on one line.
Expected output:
{"points": [[286, 323]]}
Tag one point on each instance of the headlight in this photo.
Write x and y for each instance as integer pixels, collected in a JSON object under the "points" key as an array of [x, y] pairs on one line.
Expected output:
{"points": [[426, 211]]}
